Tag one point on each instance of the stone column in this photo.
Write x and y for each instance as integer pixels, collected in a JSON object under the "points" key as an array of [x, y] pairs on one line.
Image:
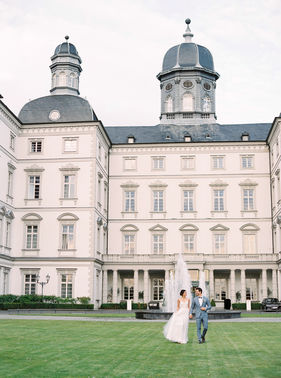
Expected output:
{"points": [[145, 283], [1, 281], [114, 289], [136, 286], [104, 287], [232, 286], [279, 284], [264, 284], [211, 284], [274, 283], [243, 286], [167, 274]]}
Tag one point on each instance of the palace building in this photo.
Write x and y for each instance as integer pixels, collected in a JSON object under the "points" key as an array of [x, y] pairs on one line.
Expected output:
{"points": [[105, 211]]}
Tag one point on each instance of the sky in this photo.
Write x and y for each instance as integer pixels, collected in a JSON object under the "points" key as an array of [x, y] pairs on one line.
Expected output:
{"points": [[122, 44]]}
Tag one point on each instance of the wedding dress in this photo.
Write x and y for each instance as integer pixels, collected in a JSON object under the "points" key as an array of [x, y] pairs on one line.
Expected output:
{"points": [[177, 326]]}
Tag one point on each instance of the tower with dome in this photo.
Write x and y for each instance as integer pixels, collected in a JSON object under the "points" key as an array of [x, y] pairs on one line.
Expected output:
{"points": [[105, 211]]}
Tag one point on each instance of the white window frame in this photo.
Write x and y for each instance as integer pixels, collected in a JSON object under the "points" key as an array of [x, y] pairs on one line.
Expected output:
{"points": [[158, 163], [36, 142], [245, 159], [219, 229], [187, 243], [247, 185], [129, 229], [158, 285], [187, 105], [219, 200], [218, 162], [68, 283], [188, 200], [34, 188], [12, 141], [158, 246], [31, 219], [129, 200], [219, 236], [158, 199], [248, 200], [71, 172], [67, 220], [129, 243]]}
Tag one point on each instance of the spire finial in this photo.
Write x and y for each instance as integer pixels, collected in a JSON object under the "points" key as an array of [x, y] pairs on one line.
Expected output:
{"points": [[187, 34], [66, 38]]}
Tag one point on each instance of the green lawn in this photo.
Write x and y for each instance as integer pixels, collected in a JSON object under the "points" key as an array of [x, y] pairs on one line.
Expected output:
{"points": [[42, 348]]}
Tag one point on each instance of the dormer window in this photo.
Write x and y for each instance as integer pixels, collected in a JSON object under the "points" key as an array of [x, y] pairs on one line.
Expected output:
{"points": [[131, 139], [245, 137], [187, 138]]}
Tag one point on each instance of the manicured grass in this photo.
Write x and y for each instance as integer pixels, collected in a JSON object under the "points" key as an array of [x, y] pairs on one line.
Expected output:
{"points": [[261, 315], [42, 348]]}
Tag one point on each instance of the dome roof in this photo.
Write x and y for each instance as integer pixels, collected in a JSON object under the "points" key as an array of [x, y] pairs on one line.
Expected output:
{"points": [[57, 108], [66, 48], [188, 55]]}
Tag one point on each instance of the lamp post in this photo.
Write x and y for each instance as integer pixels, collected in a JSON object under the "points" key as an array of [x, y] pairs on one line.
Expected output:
{"points": [[42, 283]]}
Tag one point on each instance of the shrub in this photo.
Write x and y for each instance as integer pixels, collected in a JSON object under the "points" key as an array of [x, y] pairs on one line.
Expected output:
{"points": [[40, 305], [256, 306], [213, 303], [239, 306], [84, 300]]}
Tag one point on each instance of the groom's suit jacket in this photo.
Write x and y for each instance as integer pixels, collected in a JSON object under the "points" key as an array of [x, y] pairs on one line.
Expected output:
{"points": [[196, 306]]}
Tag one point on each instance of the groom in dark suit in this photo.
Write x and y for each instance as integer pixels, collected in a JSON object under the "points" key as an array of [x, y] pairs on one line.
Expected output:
{"points": [[201, 305]]}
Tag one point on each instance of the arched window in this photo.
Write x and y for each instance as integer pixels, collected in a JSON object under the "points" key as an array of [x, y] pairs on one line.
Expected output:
{"points": [[62, 79], [187, 102], [169, 105], [206, 104], [72, 80]]}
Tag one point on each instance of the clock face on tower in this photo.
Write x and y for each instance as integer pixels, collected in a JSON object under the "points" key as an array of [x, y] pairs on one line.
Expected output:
{"points": [[54, 115]]}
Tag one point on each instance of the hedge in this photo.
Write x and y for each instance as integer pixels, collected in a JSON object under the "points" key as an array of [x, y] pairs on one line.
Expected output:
{"points": [[40, 305], [123, 306], [242, 306], [33, 298]]}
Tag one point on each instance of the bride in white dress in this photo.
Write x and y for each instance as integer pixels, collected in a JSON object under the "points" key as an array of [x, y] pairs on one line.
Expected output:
{"points": [[177, 326]]}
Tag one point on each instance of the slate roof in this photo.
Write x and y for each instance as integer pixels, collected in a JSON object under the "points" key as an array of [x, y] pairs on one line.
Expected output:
{"points": [[188, 55], [199, 133], [72, 109]]}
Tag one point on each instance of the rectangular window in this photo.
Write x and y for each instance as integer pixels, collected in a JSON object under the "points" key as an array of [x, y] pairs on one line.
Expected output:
{"points": [[35, 146], [220, 289], [69, 186], [33, 187], [157, 163], [248, 199], [187, 162], [158, 200], [130, 164], [10, 183], [130, 200], [218, 199], [188, 243], [70, 144], [218, 162], [188, 203], [31, 237], [128, 285], [67, 236], [247, 161], [129, 244], [66, 285], [8, 234], [158, 289], [12, 141], [158, 243], [29, 284], [249, 241], [219, 243]]}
